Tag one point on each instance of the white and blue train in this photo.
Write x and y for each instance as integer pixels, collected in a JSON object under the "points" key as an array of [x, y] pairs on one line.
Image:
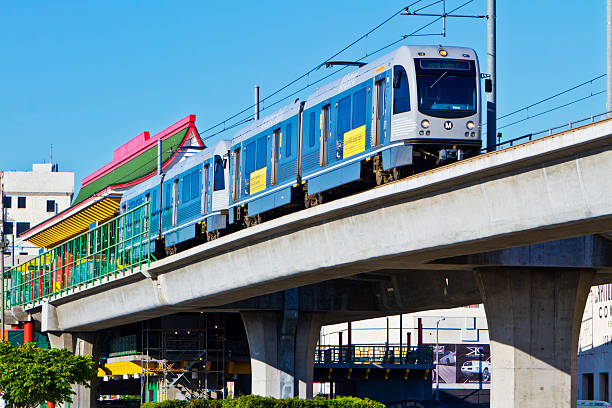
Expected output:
{"points": [[412, 109]]}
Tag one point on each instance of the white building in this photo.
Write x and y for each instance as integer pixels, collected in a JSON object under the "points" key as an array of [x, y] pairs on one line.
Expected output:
{"points": [[595, 348], [31, 197]]}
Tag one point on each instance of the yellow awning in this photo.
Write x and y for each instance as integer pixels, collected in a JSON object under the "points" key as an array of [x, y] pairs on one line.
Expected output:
{"points": [[125, 367], [74, 221]]}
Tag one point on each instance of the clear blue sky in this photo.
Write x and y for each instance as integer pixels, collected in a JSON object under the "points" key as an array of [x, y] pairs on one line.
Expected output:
{"points": [[88, 76]]}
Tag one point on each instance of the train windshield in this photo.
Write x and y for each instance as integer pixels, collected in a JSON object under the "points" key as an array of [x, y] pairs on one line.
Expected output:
{"points": [[446, 90]]}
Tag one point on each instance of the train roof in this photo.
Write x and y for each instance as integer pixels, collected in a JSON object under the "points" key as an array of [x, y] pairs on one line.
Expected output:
{"points": [[359, 75], [220, 148]]}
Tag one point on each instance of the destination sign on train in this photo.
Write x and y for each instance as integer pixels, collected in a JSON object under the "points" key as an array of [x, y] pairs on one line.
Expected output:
{"points": [[439, 64]]}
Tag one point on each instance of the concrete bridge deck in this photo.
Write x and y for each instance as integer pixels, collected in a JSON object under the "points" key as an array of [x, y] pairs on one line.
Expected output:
{"points": [[543, 190]]}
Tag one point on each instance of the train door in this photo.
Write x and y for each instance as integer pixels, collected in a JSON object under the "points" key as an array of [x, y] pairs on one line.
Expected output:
{"points": [[324, 135], [205, 192], [175, 196], [236, 175], [379, 111], [275, 154]]}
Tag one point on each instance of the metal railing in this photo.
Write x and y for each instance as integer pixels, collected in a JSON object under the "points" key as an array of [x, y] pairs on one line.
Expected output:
{"points": [[374, 354], [547, 132], [112, 249]]}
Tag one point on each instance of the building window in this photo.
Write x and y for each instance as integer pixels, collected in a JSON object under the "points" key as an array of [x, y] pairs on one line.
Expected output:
{"points": [[587, 386], [8, 228], [50, 205], [22, 227], [7, 202], [21, 202]]}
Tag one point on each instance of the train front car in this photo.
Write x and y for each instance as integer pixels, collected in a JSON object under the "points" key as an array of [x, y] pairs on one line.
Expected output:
{"points": [[435, 106]]}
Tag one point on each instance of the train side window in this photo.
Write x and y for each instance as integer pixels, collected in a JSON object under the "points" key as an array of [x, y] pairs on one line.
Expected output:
{"points": [[359, 108], [262, 145], [311, 130], [175, 197], [195, 181], [186, 188], [344, 116], [401, 93], [288, 140], [219, 174], [249, 165], [168, 198]]}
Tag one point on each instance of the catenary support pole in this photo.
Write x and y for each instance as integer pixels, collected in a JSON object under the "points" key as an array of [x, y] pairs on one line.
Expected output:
{"points": [[256, 102], [2, 254], [609, 58], [159, 156], [491, 68]]}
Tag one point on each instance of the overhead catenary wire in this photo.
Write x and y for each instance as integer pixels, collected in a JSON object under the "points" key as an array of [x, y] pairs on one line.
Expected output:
{"points": [[304, 75], [552, 109], [402, 38], [551, 97], [548, 98]]}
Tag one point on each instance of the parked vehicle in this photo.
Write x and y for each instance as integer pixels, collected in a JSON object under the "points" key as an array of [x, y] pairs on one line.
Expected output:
{"points": [[473, 368]]}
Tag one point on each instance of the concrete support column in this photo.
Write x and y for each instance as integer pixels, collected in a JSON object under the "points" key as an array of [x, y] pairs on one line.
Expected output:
{"points": [[81, 344], [534, 318], [282, 348]]}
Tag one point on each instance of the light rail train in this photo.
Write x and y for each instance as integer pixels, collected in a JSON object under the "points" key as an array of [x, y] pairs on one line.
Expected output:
{"points": [[412, 109]]}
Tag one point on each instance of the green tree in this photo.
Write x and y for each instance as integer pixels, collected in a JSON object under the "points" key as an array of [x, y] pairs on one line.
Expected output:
{"points": [[29, 375]]}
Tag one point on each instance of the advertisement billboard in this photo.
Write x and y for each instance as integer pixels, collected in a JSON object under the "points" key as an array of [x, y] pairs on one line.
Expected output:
{"points": [[468, 364]]}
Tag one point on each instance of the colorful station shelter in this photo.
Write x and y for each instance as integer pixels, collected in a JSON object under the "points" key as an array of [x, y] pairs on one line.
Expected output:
{"points": [[100, 194]]}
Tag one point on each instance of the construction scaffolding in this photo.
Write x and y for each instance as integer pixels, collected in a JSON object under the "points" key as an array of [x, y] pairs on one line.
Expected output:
{"points": [[184, 358]]}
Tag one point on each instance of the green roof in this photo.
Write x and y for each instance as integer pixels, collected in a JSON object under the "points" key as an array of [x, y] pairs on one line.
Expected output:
{"points": [[136, 168]]}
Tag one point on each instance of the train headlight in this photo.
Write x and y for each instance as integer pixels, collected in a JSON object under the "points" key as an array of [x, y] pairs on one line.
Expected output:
{"points": [[443, 53], [425, 123], [470, 125]]}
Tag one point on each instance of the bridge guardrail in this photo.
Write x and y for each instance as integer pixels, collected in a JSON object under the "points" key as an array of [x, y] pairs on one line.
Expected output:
{"points": [[550, 131], [112, 249], [374, 354]]}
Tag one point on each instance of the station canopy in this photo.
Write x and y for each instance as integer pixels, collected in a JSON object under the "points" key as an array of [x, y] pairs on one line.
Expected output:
{"points": [[101, 192]]}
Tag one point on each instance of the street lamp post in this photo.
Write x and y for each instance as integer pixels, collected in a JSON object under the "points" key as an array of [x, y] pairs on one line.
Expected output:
{"points": [[438, 358]]}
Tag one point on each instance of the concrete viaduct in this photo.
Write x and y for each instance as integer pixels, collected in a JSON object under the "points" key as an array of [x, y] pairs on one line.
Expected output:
{"points": [[525, 230]]}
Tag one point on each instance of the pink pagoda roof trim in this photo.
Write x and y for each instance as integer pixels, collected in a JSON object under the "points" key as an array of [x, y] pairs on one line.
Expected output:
{"points": [[136, 146]]}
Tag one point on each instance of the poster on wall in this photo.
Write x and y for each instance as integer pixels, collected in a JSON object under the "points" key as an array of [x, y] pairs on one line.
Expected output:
{"points": [[446, 367], [473, 363], [463, 364]]}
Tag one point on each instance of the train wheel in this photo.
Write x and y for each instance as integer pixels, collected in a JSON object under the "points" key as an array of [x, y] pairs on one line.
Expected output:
{"points": [[171, 250], [313, 200], [213, 235], [254, 220], [380, 177]]}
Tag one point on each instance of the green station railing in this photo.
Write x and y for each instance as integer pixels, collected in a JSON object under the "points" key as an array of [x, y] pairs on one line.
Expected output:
{"points": [[111, 250]]}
